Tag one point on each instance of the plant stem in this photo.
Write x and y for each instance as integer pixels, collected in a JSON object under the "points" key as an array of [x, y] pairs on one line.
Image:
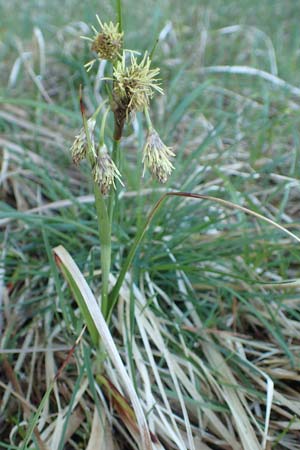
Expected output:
{"points": [[105, 242], [114, 193], [104, 226], [138, 238], [119, 13], [148, 120]]}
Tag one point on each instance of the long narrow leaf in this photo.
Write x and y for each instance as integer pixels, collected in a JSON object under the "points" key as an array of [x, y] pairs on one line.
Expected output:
{"points": [[65, 260], [73, 282], [140, 235]]}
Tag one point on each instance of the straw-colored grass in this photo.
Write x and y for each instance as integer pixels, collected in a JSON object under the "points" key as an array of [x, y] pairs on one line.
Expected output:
{"points": [[203, 347]]}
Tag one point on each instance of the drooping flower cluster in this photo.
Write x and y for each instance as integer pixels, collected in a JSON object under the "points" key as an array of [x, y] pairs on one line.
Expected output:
{"points": [[105, 171], [157, 157], [80, 145]]}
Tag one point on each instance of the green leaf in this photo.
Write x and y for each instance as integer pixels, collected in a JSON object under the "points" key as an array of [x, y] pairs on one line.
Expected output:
{"points": [[76, 282]]}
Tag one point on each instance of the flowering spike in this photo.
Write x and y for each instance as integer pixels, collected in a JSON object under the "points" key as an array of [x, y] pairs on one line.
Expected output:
{"points": [[134, 85], [105, 171], [156, 157], [80, 145], [107, 42]]}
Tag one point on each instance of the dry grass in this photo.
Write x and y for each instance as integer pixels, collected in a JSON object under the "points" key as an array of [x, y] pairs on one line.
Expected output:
{"points": [[203, 351]]}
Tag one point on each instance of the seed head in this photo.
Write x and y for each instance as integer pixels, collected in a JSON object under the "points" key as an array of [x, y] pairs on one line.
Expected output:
{"points": [[156, 156], [80, 145], [107, 42], [105, 171], [134, 84]]}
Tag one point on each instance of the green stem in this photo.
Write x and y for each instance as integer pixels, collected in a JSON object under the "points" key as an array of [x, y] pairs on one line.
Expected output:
{"points": [[148, 120], [99, 109], [119, 13], [102, 129], [154, 48], [105, 242], [138, 238], [114, 193], [103, 224]]}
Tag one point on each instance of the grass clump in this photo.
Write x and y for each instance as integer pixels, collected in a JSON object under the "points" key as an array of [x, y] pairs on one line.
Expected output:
{"points": [[199, 346]]}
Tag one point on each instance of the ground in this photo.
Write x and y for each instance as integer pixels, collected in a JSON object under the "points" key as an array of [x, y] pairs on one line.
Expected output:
{"points": [[207, 324]]}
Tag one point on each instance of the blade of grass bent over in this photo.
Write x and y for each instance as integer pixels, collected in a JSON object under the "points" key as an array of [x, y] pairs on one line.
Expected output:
{"points": [[65, 261], [73, 284]]}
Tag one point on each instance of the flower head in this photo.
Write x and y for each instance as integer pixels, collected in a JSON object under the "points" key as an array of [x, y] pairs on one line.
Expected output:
{"points": [[80, 145], [134, 84], [107, 42], [105, 171], [156, 156]]}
